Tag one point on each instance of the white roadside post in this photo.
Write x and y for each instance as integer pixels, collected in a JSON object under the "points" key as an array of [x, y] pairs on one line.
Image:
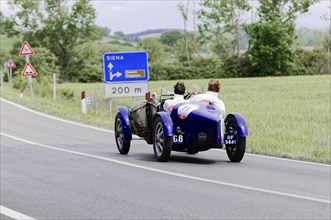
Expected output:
{"points": [[54, 86], [83, 103]]}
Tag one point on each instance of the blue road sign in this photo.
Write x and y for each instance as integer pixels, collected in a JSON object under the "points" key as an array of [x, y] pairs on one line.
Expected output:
{"points": [[125, 66]]}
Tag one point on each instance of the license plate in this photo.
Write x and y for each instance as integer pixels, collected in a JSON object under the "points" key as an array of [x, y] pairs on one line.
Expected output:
{"points": [[230, 139], [178, 139]]}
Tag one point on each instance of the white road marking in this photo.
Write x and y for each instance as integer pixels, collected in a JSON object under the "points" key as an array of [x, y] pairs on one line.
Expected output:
{"points": [[289, 160], [282, 159], [172, 173], [13, 214], [110, 131]]}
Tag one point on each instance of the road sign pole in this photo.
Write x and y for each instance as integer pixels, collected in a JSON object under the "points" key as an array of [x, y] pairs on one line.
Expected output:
{"points": [[30, 82], [10, 78], [27, 59], [110, 108]]}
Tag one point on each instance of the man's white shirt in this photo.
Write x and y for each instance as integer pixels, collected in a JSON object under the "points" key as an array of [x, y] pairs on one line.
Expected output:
{"points": [[210, 97], [169, 104]]}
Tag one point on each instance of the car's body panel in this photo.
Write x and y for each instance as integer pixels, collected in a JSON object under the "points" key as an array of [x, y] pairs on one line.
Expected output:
{"points": [[242, 125], [124, 112], [167, 123], [200, 125]]}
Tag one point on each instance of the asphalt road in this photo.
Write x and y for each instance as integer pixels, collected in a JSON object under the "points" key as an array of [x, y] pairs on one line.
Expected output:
{"points": [[52, 169]]}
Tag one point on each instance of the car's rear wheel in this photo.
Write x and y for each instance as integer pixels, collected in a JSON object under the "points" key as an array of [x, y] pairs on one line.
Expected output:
{"points": [[162, 143], [122, 145], [236, 151]]}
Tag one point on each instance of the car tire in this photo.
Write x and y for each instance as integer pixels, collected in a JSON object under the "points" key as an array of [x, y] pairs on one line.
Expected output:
{"points": [[122, 145], [162, 143], [235, 152]]}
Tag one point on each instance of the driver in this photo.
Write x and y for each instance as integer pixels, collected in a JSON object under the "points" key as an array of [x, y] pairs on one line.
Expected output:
{"points": [[179, 90], [211, 96]]}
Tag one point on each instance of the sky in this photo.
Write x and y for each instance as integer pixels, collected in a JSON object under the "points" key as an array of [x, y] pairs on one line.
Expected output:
{"points": [[132, 16]]}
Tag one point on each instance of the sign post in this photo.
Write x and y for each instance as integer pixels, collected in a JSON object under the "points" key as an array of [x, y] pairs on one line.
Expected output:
{"points": [[9, 65], [125, 74], [54, 86], [28, 70]]}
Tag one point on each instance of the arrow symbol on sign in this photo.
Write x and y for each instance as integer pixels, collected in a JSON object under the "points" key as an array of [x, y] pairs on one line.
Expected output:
{"points": [[117, 74], [110, 67]]}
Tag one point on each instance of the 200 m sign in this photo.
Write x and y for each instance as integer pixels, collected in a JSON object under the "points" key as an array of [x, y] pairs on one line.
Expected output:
{"points": [[120, 90], [125, 89]]}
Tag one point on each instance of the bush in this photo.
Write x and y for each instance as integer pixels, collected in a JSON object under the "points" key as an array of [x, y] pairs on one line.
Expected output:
{"points": [[67, 93], [199, 69], [20, 83], [309, 62]]}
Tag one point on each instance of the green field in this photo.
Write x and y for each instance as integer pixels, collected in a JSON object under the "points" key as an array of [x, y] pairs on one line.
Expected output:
{"points": [[287, 116]]}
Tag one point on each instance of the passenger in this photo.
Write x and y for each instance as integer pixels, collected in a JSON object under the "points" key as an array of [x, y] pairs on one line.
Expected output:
{"points": [[179, 91], [211, 96]]}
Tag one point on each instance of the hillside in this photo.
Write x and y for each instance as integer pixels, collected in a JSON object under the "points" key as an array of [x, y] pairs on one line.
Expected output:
{"points": [[135, 36]]}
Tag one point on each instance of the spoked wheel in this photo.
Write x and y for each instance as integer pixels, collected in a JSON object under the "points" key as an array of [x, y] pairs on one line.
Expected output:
{"points": [[162, 143], [122, 145], [236, 151]]}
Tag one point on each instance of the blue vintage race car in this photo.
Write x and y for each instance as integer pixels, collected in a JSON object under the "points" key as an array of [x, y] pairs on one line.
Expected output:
{"points": [[191, 127]]}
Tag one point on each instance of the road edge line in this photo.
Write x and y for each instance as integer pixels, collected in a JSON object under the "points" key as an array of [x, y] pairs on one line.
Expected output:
{"points": [[13, 214], [255, 189]]}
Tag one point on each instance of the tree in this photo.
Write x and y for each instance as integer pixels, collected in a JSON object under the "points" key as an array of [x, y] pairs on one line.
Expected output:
{"points": [[154, 47], [184, 48], [170, 37], [105, 32], [184, 11], [119, 35], [327, 39], [272, 37], [62, 29], [219, 23], [1, 23]]}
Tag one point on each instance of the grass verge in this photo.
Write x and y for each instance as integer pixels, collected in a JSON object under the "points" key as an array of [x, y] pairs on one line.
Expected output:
{"points": [[287, 117]]}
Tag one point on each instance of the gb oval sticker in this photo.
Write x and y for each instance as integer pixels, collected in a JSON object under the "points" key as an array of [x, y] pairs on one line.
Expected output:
{"points": [[185, 110]]}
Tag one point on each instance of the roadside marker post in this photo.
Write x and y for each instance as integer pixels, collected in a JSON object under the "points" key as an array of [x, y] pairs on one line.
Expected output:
{"points": [[83, 102], [54, 86]]}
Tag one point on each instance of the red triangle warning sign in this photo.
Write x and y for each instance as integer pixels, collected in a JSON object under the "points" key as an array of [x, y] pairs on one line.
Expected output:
{"points": [[10, 63], [26, 49], [29, 70]]}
